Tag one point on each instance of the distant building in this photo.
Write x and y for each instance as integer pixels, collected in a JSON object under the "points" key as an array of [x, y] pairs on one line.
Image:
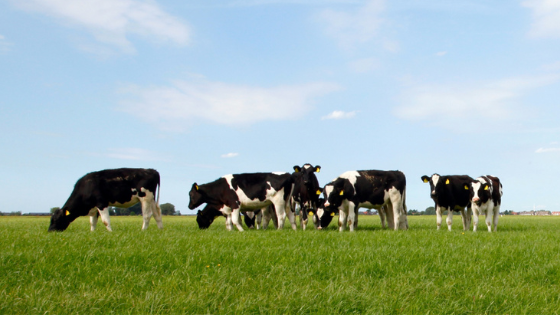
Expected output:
{"points": [[535, 212], [555, 212]]}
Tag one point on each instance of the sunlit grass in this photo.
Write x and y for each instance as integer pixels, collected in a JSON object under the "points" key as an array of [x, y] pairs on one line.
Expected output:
{"points": [[182, 269]]}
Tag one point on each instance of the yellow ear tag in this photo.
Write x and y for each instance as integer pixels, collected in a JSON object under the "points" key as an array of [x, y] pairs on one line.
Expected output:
{"points": [[486, 188], [318, 192], [466, 187], [67, 212], [296, 170], [310, 213], [425, 180], [342, 192], [318, 170], [332, 214], [196, 186], [447, 182]]}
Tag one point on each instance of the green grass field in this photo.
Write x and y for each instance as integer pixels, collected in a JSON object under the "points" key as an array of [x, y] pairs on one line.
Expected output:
{"points": [[184, 270]]}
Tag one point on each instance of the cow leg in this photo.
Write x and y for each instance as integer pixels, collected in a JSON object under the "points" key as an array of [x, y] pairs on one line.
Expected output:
{"points": [[356, 218], [389, 215], [93, 219], [146, 213], [229, 225], [496, 216], [157, 215], [439, 216], [475, 218], [315, 220], [489, 218], [105, 218], [351, 216], [342, 219], [291, 216], [382, 216], [398, 209], [465, 220], [236, 219], [259, 219], [449, 218], [266, 217]]}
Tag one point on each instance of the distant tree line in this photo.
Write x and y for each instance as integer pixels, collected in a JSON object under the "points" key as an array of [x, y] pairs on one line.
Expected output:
{"points": [[166, 209]]}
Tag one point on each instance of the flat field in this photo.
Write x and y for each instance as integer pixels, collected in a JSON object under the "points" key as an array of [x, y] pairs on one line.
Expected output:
{"points": [[183, 270]]}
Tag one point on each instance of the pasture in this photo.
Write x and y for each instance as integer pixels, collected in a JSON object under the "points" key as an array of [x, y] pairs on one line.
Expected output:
{"points": [[182, 269]]}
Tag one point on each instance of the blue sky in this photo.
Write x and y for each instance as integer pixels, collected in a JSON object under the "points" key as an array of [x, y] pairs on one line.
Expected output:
{"points": [[199, 89]]}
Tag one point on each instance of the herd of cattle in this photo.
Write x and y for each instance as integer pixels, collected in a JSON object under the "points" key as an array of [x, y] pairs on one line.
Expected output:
{"points": [[262, 197]]}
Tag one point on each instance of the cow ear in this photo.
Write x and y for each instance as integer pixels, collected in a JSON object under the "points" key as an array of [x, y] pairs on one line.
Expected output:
{"points": [[318, 192], [466, 187], [66, 213], [317, 168], [341, 193], [297, 169], [486, 186], [194, 186], [425, 179]]}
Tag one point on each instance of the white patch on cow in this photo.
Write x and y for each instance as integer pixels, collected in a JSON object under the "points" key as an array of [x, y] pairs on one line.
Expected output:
{"points": [[476, 187], [306, 166], [351, 176], [328, 190], [320, 213], [279, 173], [250, 214]]}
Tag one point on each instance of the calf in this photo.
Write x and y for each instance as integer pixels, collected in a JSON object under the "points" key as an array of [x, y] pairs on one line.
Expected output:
{"points": [[306, 191], [486, 195], [371, 189], [97, 191], [252, 219], [451, 193], [235, 193]]}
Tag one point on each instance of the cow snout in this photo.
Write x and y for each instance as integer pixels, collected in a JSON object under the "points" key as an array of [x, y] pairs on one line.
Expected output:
{"points": [[433, 192], [319, 228], [327, 204], [476, 199]]}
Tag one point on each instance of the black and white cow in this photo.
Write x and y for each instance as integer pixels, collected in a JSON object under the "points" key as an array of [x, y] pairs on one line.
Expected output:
{"points": [[451, 193], [253, 219], [371, 189], [306, 192], [97, 191], [486, 195], [233, 193]]}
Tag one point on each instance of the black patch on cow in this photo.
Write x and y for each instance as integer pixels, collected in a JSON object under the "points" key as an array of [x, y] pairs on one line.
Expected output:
{"points": [[102, 189], [206, 216]]}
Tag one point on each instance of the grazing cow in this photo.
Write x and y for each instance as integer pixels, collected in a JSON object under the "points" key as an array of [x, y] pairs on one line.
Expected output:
{"points": [[232, 194], [306, 192], [365, 189], [206, 216], [451, 193], [97, 191], [486, 195]]}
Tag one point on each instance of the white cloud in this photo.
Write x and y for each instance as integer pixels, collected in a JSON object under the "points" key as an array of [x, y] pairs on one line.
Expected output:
{"points": [[359, 26], [546, 17], [229, 155], [460, 103], [338, 114], [134, 154], [183, 104], [441, 53], [547, 150], [111, 22]]}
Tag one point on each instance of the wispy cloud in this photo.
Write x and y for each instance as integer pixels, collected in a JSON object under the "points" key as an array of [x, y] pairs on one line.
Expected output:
{"points": [[365, 65], [441, 53], [547, 150], [5, 46], [184, 104], [354, 27], [338, 114], [111, 22], [449, 104], [134, 154], [229, 155], [546, 17]]}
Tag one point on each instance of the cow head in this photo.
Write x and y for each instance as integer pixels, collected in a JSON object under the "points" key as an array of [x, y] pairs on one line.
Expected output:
{"points": [[437, 184], [196, 197], [308, 174], [325, 215], [205, 217], [249, 218], [481, 191], [60, 220]]}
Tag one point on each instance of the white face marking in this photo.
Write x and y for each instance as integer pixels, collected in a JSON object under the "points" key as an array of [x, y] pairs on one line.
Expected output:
{"points": [[320, 212], [250, 214], [435, 179], [476, 187], [306, 166]]}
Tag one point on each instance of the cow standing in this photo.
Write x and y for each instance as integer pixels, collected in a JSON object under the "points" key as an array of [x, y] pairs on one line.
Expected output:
{"points": [[233, 193], [451, 193], [371, 189], [97, 191], [486, 195], [306, 192]]}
